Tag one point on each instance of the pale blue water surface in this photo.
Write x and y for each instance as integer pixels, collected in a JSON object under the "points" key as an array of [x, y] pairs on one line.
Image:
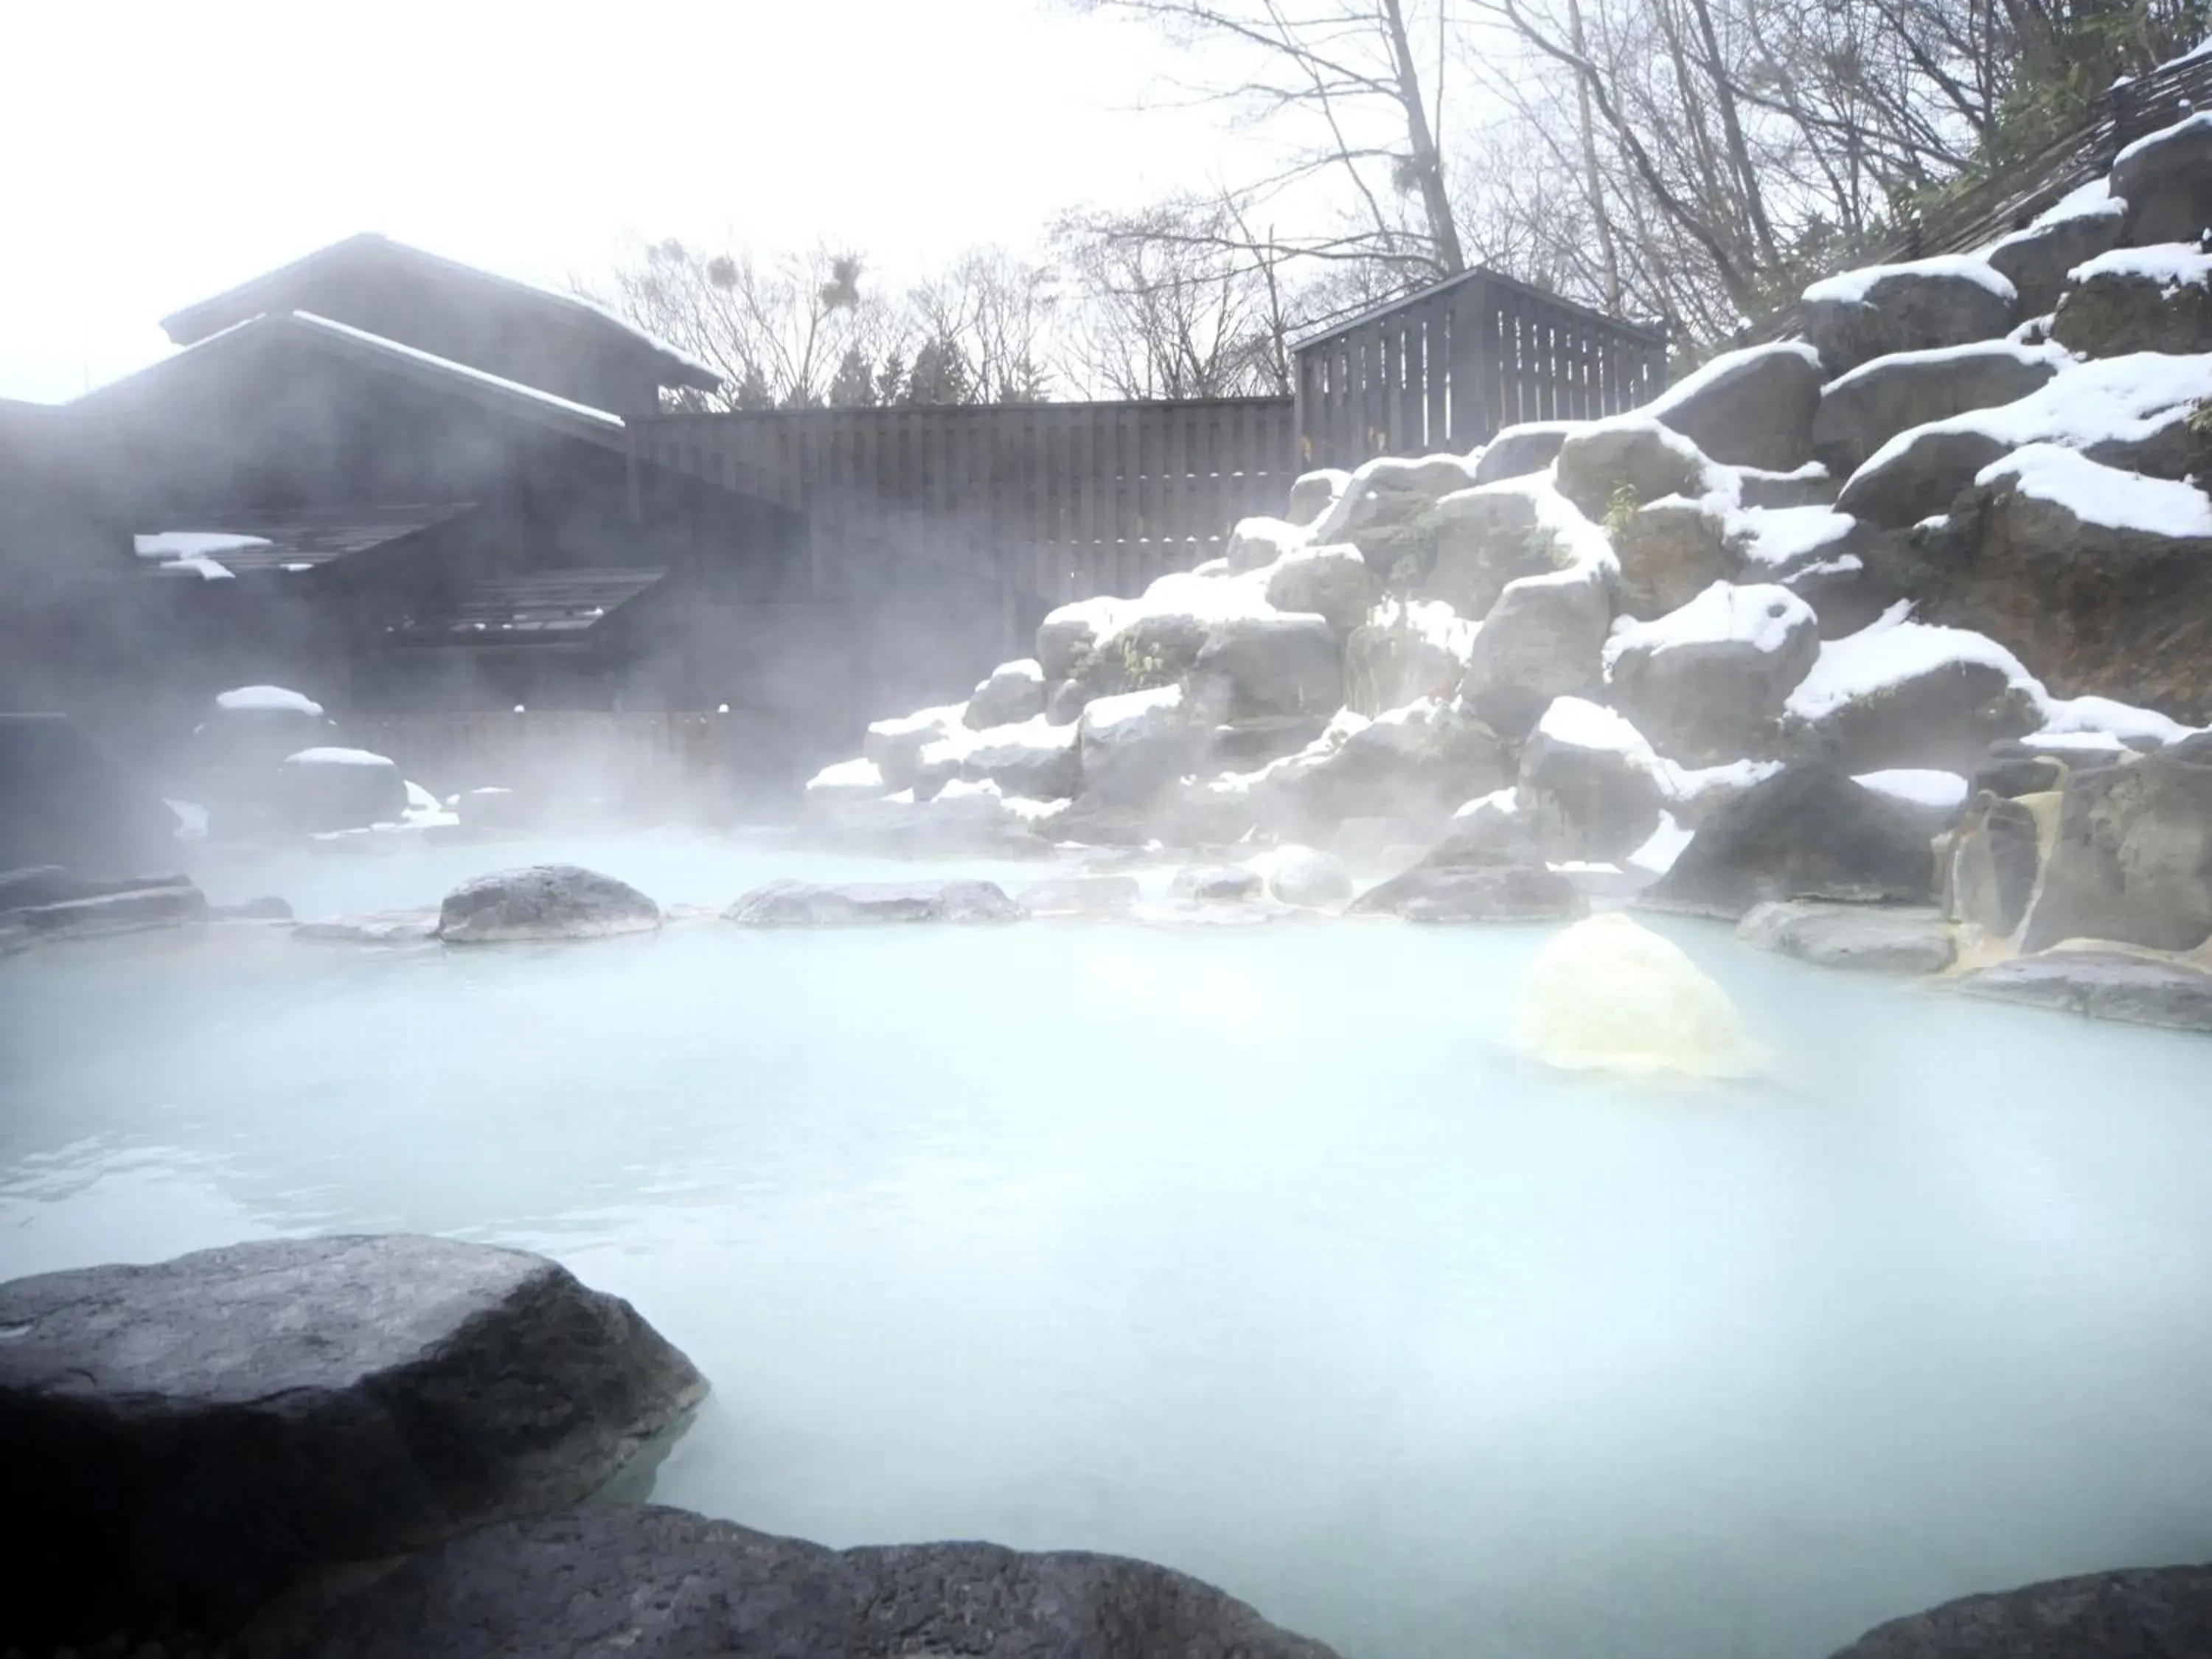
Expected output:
{"points": [[1257, 1253]]}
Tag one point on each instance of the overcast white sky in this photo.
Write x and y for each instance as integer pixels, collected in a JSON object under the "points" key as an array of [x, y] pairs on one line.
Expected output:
{"points": [[155, 153]]}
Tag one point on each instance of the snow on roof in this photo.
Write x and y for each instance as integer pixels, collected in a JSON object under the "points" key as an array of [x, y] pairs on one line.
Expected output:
{"points": [[396, 349], [2100, 495], [1851, 287], [1917, 787], [2107, 398], [1780, 537], [1891, 651], [857, 773], [2201, 120], [2170, 264], [1762, 616], [267, 696], [333, 756]]}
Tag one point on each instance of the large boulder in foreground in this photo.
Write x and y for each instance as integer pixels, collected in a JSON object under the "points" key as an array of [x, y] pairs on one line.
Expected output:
{"points": [[1751, 408], [2156, 1613], [543, 901], [191, 1437], [2132, 861], [662, 1584], [1808, 832], [2165, 179], [1908, 694], [808, 904], [1948, 301]]}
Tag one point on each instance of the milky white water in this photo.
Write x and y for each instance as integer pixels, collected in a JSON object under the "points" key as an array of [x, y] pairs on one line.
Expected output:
{"points": [[1258, 1253]]}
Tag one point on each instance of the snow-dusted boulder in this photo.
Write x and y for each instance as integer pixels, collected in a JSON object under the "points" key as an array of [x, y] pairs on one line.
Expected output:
{"points": [[2137, 299], [894, 747], [494, 806], [1416, 763], [1809, 485], [1865, 938], [1489, 830], [1257, 543], [1063, 703], [1671, 550], [1247, 744], [1406, 650], [2132, 860], [1505, 892], [1861, 411], [1216, 884], [241, 741], [2102, 579], [1944, 301], [543, 901], [1808, 832], [1035, 759], [849, 779], [1014, 693], [1608, 994], [2166, 179], [1707, 682], [1587, 782], [329, 787], [1270, 665], [1134, 745], [1307, 877], [805, 904], [1332, 582], [1908, 693], [1069, 637], [1314, 493], [2035, 260], [1542, 640], [2140, 991], [1934, 798], [1389, 510], [1750, 407], [1630, 459], [1520, 450]]}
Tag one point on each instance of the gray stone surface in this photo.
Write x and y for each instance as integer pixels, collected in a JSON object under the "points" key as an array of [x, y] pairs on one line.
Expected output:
{"points": [[1332, 582], [1599, 462], [1259, 666], [1026, 768], [808, 904], [1593, 805], [1389, 664], [543, 901], [1306, 877], [2132, 860], [1215, 884], [132, 910], [1808, 832], [652, 1582], [1867, 938], [1520, 450], [2036, 260], [1907, 308], [1861, 412], [316, 794], [1922, 478], [1670, 552], [1079, 896], [1504, 892], [1542, 640], [1313, 495], [192, 1437], [2114, 313], [1712, 690], [1014, 692], [1753, 408], [1943, 719], [2166, 181], [2102, 985], [1486, 537], [1420, 766]]}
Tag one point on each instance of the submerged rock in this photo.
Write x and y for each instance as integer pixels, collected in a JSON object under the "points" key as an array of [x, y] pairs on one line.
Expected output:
{"points": [[543, 901], [1502, 892], [2156, 1613], [194, 1436], [663, 1584], [805, 904], [2101, 985], [1608, 994], [1873, 938]]}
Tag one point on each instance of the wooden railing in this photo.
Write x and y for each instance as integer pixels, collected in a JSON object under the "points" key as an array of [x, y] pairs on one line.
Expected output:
{"points": [[1445, 368], [1056, 501]]}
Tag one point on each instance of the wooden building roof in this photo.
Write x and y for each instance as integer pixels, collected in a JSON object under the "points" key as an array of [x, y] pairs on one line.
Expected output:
{"points": [[295, 539], [542, 607]]}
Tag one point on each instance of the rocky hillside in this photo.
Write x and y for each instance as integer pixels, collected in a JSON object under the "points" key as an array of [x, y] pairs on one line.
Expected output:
{"points": [[1953, 551]]}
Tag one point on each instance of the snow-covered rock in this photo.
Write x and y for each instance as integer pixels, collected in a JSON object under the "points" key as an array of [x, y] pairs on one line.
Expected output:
{"points": [[1314, 493], [1807, 832], [1069, 637], [329, 787], [2166, 179], [1386, 492], [1415, 763], [1032, 759], [1489, 536], [1134, 743], [1909, 693], [1861, 411], [1014, 692], [1751, 408], [1542, 640], [1587, 782], [894, 747], [1947, 300], [1257, 543], [2137, 299], [1216, 884], [1517, 450], [1332, 582], [1707, 682], [849, 780], [1306, 877], [543, 901], [1671, 550], [2084, 224], [1251, 666], [1631, 458]]}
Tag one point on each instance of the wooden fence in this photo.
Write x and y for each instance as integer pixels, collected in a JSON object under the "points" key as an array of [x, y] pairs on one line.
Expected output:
{"points": [[1055, 502], [2010, 197], [1447, 367]]}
